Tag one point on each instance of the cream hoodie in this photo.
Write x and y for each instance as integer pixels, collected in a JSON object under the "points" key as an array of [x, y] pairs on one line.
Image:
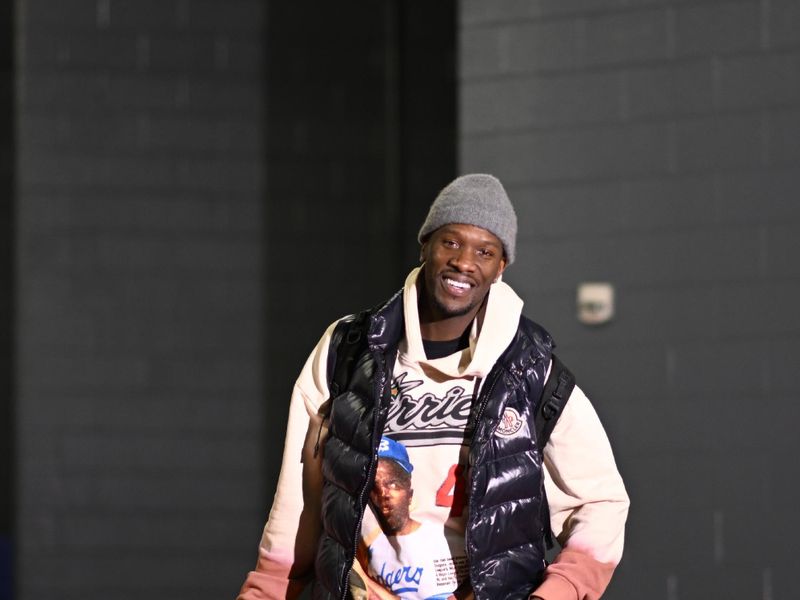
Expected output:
{"points": [[588, 502]]}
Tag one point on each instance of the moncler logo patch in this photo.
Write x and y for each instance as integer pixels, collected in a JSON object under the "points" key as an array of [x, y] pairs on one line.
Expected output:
{"points": [[510, 424]]}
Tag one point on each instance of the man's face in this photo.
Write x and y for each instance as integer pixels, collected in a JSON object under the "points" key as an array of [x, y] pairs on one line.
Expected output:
{"points": [[461, 262], [391, 496]]}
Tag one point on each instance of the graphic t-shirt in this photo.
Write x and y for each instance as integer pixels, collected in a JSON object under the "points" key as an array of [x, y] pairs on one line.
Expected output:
{"points": [[431, 419], [419, 564]]}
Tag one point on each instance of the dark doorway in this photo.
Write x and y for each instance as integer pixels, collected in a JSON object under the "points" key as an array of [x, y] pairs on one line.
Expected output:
{"points": [[360, 136]]}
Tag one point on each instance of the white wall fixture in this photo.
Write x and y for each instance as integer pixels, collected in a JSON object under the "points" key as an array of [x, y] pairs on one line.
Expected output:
{"points": [[595, 302]]}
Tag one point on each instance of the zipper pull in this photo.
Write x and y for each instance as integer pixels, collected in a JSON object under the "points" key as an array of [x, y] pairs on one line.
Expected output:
{"points": [[319, 435], [325, 410]]}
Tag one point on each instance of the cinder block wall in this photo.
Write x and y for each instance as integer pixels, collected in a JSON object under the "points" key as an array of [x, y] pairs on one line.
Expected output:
{"points": [[655, 146], [139, 259]]}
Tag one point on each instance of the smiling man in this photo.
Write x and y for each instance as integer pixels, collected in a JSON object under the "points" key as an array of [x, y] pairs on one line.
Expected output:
{"points": [[450, 369]]}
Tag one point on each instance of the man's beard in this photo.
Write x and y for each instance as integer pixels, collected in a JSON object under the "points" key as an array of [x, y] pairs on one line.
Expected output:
{"points": [[459, 312], [455, 312]]}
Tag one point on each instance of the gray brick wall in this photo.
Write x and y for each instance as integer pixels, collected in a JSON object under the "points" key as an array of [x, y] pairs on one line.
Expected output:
{"points": [[654, 145], [140, 407]]}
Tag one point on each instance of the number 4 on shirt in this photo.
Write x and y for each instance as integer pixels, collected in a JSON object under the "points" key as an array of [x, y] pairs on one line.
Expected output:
{"points": [[453, 491]]}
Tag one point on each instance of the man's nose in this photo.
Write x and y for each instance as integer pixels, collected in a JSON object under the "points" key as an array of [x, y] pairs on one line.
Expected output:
{"points": [[462, 259]]}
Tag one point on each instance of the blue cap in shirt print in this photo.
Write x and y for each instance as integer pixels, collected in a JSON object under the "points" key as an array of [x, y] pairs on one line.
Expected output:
{"points": [[388, 448], [392, 491]]}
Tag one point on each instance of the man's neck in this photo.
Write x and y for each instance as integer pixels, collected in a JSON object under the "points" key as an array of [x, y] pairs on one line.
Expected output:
{"points": [[447, 328], [410, 527]]}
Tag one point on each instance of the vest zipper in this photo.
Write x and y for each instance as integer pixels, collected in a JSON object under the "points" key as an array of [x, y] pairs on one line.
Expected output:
{"points": [[483, 400], [377, 424]]}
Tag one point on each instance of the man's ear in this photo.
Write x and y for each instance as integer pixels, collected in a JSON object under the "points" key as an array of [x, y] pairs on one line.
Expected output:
{"points": [[503, 265]]}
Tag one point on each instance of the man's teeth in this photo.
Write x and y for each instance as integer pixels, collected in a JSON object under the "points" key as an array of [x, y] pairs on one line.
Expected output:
{"points": [[457, 284]]}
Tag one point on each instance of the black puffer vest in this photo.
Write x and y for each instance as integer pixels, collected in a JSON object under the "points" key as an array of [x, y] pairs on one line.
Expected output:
{"points": [[507, 506]]}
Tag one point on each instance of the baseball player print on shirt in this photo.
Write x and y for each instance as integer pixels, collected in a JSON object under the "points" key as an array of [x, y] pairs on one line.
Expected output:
{"points": [[404, 557]]}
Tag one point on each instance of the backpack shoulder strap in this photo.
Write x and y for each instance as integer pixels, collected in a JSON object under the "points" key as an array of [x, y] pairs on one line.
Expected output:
{"points": [[347, 341], [556, 392], [348, 338]]}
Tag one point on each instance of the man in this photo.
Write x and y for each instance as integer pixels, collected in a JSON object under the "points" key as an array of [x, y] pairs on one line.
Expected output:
{"points": [[403, 557], [450, 368], [391, 495]]}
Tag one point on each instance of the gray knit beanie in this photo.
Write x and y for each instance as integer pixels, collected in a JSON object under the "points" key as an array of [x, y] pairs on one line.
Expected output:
{"points": [[475, 199]]}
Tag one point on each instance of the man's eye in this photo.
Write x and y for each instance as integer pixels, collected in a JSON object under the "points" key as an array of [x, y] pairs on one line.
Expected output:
{"points": [[450, 243], [484, 252]]}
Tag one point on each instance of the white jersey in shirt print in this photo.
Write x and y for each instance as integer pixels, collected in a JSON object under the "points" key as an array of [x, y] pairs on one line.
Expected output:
{"points": [[412, 543]]}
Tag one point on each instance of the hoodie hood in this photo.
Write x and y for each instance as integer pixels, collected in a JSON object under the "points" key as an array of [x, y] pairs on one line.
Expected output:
{"points": [[503, 310]]}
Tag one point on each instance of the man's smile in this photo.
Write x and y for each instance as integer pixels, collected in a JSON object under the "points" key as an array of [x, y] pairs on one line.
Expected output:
{"points": [[457, 287]]}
